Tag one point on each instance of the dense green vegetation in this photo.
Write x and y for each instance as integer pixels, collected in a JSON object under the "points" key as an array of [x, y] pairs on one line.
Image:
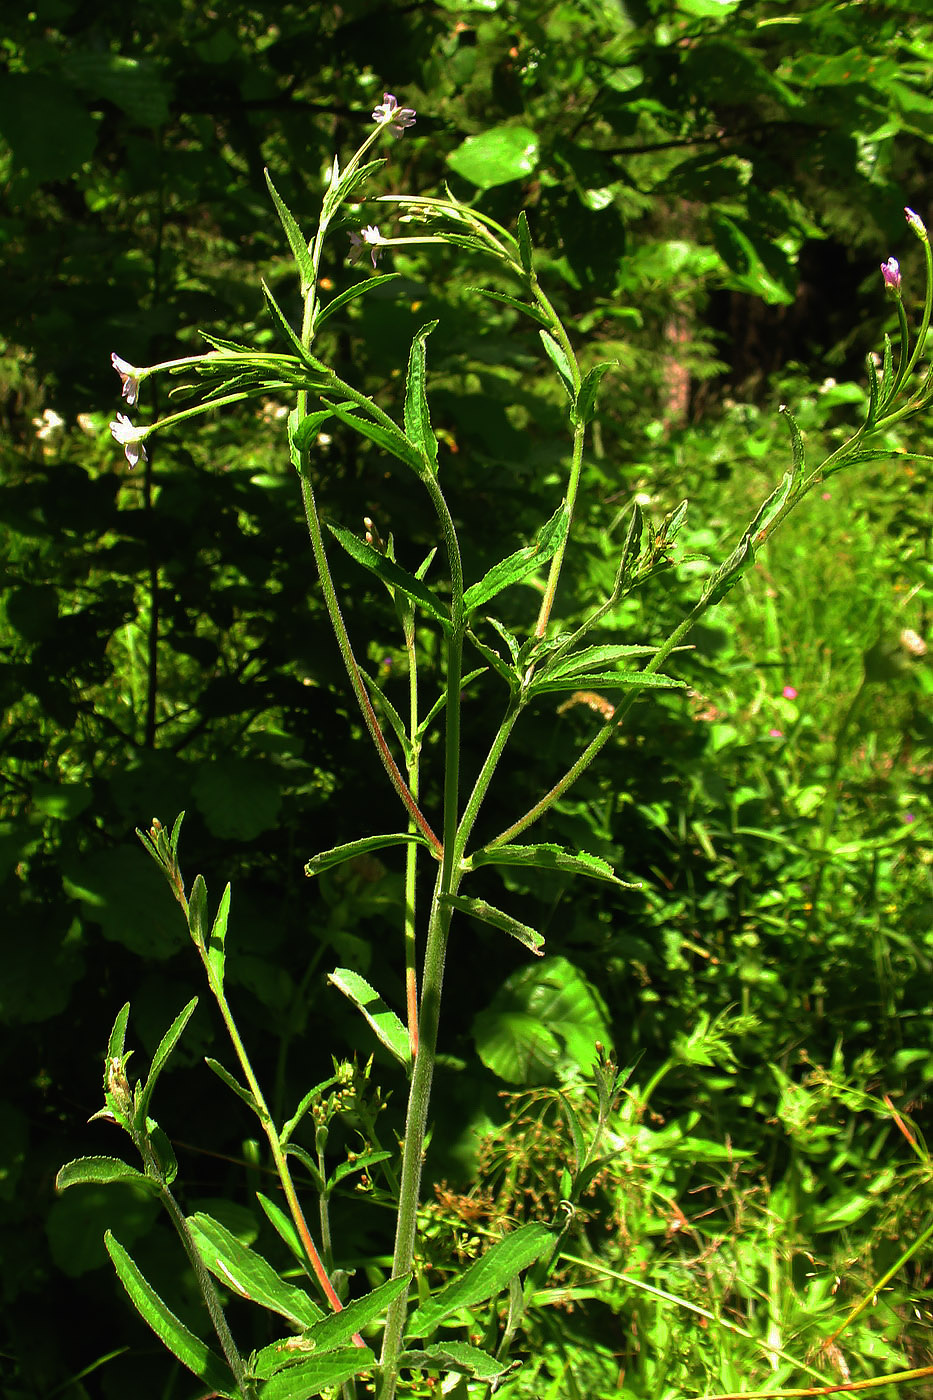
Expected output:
{"points": [[711, 188]]}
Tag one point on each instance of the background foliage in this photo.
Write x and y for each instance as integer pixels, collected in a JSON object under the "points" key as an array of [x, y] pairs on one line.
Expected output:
{"points": [[714, 185]]}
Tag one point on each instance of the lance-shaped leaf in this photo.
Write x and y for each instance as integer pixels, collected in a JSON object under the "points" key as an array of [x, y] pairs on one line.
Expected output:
{"points": [[887, 371], [190, 1350], [417, 415], [216, 944], [799, 451], [391, 574], [560, 362], [369, 284], [349, 181], [459, 1357], [389, 439], [585, 403], [318, 1373], [101, 1171], [118, 1034], [340, 1326], [522, 563], [296, 239], [605, 680], [383, 702], [383, 1020], [877, 454], [281, 320], [284, 1227], [515, 304], [589, 657], [524, 243], [338, 854], [486, 1278], [547, 856], [743, 556], [163, 1050], [488, 914], [231, 1083], [251, 1276]]}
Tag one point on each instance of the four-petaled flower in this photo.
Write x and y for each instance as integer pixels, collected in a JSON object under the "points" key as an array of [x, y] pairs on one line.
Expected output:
{"points": [[129, 438], [389, 111], [891, 272], [367, 237], [130, 378]]}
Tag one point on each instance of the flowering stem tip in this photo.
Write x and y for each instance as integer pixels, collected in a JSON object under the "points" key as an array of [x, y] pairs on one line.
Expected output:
{"points": [[891, 272], [129, 438]]}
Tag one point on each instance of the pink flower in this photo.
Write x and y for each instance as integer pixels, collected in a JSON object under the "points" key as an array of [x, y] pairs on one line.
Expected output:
{"points": [[775, 733], [789, 692], [389, 111], [891, 272], [129, 438], [915, 221], [130, 378], [367, 237]]}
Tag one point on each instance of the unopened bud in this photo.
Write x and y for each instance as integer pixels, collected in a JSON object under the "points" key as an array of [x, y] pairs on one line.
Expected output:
{"points": [[891, 272], [915, 222]]}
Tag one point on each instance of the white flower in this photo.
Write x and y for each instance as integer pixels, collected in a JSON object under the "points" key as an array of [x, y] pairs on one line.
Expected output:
{"points": [[389, 111], [129, 438], [130, 377], [367, 237]]}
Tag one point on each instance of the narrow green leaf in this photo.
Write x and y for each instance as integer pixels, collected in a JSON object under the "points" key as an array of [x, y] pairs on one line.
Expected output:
{"points": [[560, 362], [515, 304], [281, 320], [585, 403], [197, 912], [232, 1083], [369, 284], [296, 239], [352, 179], [547, 856], [340, 1326], [488, 914], [383, 702], [311, 1377], [878, 454], [383, 1020], [796, 438], [305, 1103], [458, 1357], [163, 1050], [486, 1278], [251, 1276], [872, 375], [118, 1035], [216, 947], [524, 243], [743, 556], [441, 700], [576, 1130], [605, 680], [391, 574], [595, 656], [887, 369], [189, 1349], [508, 673], [522, 563], [417, 414], [101, 1171], [283, 1226], [390, 440], [359, 1164], [467, 241], [338, 854]]}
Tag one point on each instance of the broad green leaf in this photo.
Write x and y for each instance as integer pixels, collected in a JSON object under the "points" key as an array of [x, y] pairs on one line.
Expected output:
{"points": [[98, 1171], [417, 414], [515, 304], [359, 289], [340, 1326], [585, 404], [496, 156], [242, 1269], [594, 656], [544, 1023], [296, 239], [548, 857], [560, 362], [216, 945], [384, 1021], [231, 1083], [391, 573], [389, 439], [488, 914], [487, 1278], [318, 1373], [118, 1034], [458, 1357], [163, 1050], [190, 1350], [605, 680], [747, 270], [325, 859], [522, 563]]}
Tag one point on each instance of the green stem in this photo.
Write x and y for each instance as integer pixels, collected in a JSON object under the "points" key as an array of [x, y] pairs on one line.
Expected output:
{"points": [[411, 851]]}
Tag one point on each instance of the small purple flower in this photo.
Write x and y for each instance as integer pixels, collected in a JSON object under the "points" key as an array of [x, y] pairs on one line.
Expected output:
{"points": [[129, 438], [367, 237], [129, 376], [915, 221], [891, 272], [389, 111]]}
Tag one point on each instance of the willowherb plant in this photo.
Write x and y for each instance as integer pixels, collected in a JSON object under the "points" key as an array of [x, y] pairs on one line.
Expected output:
{"points": [[325, 1349]]}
